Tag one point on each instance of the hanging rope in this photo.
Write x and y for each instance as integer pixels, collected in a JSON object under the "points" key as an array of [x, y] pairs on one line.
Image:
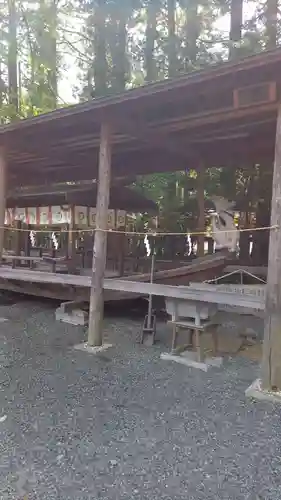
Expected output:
{"points": [[149, 232]]}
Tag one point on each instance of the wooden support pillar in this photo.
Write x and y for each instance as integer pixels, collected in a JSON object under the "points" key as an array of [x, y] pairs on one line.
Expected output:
{"points": [[271, 360], [71, 243], [17, 240], [2, 199], [100, 241], [27, 241], [121, 251], [201, 211]]}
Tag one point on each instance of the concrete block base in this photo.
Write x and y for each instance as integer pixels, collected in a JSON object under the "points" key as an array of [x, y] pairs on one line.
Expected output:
{"points": [[73, 317], [255, 391], [189, 358], [90, 349]]}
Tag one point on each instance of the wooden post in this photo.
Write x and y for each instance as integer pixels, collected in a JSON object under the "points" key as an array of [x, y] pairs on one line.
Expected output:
{"points": [[100, 242], [71, 243], [17, 240], [27, 241], [121, 251], [201, 209], [2, 199], [271, 360]]}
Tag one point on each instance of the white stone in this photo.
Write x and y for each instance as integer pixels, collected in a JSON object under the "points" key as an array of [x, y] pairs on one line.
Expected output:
{"points": [[91, 349], [255, 391], [75, 317], [188, 358]]}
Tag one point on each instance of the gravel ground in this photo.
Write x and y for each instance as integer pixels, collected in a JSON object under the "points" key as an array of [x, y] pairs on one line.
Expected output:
{"points": [[126, 425]]}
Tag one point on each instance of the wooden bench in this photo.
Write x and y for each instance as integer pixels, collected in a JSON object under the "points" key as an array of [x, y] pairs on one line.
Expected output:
{"points": [[70, 264], [31, 261], [18, 259]]}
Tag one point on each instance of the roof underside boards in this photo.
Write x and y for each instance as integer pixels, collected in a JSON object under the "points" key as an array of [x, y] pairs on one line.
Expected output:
{"points": [[167, 126], [121, 198]]}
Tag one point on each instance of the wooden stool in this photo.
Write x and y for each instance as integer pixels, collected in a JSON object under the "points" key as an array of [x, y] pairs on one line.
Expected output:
{"points": [[194, 332]]}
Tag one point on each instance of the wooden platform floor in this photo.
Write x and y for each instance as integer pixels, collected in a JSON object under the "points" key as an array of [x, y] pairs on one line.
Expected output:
{"points": [[19, 274], [55, 285], [116, 289], [76, 287]]}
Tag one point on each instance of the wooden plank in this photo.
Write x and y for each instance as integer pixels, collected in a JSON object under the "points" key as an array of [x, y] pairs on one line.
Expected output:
{"points": [[22, 257], [2, 199], [43, 277], [185, 293], [150, 136], [178, 275], [135, 287], [271, 360], [100, 243]]}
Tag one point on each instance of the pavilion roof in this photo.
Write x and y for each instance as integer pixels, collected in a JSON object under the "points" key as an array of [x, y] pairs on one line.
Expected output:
{"points": [[170, 125], [121, 197]]}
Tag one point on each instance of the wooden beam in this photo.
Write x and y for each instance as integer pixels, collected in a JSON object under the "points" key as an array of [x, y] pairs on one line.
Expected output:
{"points": [[2, 199], [271, 360], [100, 243], [133, 128], [201, 211]]}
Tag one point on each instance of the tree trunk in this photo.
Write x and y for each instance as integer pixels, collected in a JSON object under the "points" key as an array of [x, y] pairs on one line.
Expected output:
{"points": [[43, 91], [121, 73], [2, 199], [236, 21], [150, 37], [172, 50], [100, 61], [12, 59], [192, 31], [271, 20], [52, 71], [118, 44], [2, 90]]}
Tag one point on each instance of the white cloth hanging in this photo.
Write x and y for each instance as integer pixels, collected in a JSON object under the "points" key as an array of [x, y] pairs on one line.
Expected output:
{"points": [[225, 233]]}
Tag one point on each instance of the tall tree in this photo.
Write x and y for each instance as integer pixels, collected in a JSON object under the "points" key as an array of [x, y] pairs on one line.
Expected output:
{"points": [[192, 32], [39, 55], [47, 42], [12, 58], [271, 21], [236, 21], [150, 39], [171, 43], [117, 34], [100, 65]]}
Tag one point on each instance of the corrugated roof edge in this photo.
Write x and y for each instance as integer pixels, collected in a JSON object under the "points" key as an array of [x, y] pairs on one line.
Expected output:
{"points": [[211, 72]]}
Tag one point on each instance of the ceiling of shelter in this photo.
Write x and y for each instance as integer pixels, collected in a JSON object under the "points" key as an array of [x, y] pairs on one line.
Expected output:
{"points": [[121, 198], [168, 126]]}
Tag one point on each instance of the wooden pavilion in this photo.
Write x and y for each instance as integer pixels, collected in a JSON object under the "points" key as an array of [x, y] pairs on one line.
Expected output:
{"points": [[70, 211], [222, 116]]}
